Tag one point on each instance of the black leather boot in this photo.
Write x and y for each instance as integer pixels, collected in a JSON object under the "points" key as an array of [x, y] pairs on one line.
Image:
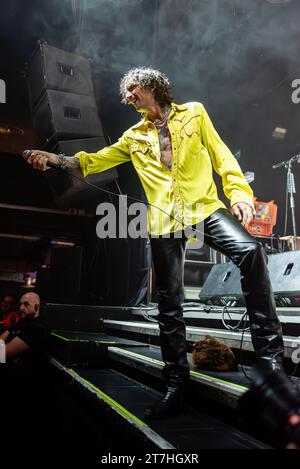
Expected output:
{"points": [[272, 363], [170, 404]]}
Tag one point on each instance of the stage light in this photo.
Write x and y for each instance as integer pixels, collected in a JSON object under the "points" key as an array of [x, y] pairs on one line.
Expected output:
{"points": [[10, 130], [279, 133]]}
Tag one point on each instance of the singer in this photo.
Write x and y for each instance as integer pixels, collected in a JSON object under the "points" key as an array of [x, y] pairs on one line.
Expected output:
{"points": [[174, 149]]}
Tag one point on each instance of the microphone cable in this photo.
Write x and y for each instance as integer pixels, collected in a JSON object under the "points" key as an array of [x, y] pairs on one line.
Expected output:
{"points": [[135, 199]]}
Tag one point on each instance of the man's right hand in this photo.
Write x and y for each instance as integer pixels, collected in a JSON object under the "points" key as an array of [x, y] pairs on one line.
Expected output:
{"points": [[38, 159]]}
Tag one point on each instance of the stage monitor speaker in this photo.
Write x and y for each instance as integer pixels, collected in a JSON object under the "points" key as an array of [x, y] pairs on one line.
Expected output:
{"points": [[56, 69], [223, 286], [71, 192], [285, 277], [64, 116]]}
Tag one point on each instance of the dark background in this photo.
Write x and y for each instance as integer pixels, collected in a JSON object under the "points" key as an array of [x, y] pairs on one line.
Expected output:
{"points": [[237, 57]]}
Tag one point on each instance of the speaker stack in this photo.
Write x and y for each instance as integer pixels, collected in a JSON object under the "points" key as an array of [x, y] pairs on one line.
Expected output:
{"points": [[65, 116]]}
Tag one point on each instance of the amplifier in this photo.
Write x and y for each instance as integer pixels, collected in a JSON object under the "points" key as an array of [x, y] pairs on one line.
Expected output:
{"points": [[264, 219]]}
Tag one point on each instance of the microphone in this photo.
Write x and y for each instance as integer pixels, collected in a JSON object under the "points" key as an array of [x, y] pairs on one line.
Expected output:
{"points": [[26, 154], [285, 163], [297, 158]]}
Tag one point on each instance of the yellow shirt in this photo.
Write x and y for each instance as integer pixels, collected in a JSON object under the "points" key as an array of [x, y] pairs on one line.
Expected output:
{"points": [[187, 192]]}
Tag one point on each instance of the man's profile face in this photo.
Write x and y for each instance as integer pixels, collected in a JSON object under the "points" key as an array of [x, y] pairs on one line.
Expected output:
{"points": [[8, 304], [141, 98], [29, 306]]}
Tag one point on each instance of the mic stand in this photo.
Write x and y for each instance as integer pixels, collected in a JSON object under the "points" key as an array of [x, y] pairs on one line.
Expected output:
{"points": [[291, 188]]}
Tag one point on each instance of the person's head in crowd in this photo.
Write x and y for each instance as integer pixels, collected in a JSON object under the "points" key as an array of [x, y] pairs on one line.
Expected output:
{"points": [[8, 304], [272, 405], [29, 305]]}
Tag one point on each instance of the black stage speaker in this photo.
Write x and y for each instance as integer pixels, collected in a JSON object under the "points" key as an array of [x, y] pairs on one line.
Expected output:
{"points": [[66, 115], [223, 286], [71, 192], [56, 69], [61, 282], [285, 277], [70, 147], [197, 265]]}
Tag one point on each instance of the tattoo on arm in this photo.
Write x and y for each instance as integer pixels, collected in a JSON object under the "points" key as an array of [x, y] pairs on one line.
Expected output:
{"points": [[68, 162], [72, 162]]}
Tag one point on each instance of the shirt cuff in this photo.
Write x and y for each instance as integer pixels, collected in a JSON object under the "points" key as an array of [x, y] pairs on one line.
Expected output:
{"points": [[83, 161], [243, 198]]}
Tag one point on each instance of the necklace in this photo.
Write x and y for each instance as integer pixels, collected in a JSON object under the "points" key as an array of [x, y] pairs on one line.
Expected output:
{"points": [[159, 123]]}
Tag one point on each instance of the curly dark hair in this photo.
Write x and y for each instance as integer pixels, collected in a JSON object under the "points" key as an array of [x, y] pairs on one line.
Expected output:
{"points": [[212, 354], [147, 78]]}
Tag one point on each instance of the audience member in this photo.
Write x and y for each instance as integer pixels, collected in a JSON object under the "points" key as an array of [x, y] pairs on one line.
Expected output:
{"points": [[28, 338], [24, 376], [8, 311]]}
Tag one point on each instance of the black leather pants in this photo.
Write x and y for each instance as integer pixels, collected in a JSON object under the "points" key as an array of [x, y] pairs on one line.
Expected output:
{"points": [[225, 234]]}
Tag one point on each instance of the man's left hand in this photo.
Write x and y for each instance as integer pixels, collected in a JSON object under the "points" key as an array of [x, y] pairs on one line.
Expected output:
{"points": [[243, 212]]}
